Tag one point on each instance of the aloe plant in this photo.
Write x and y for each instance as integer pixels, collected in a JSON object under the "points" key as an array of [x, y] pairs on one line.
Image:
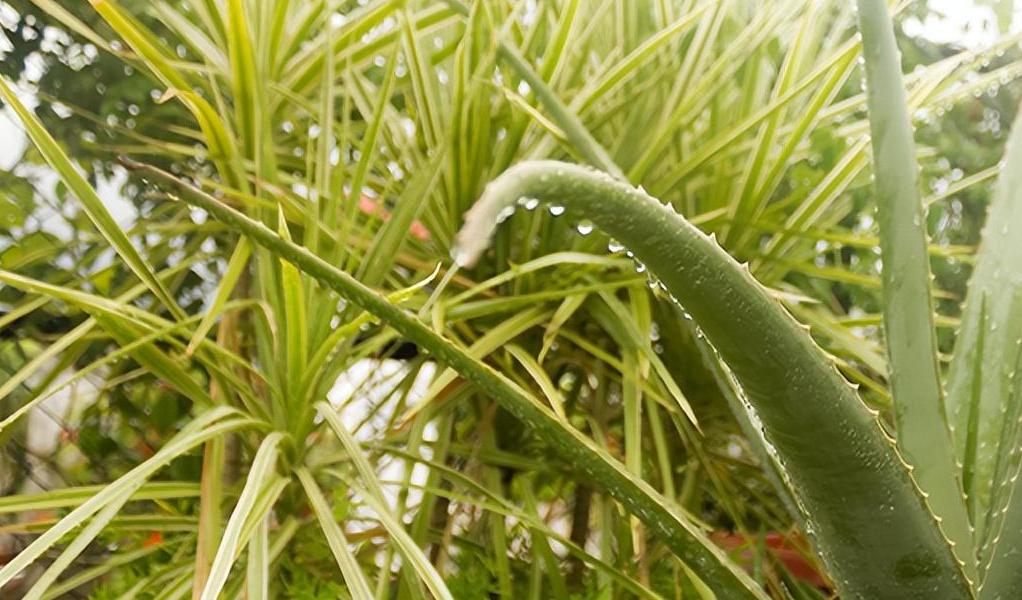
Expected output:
{"points": [[317, 168], [876, 520]]}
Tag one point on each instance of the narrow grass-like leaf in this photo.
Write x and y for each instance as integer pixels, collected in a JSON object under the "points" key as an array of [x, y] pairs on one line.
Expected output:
{"points": [[393, 235], [191, 34], [89, 199], [244, 78], [568, 307], [423, 78], [486, 497], [210, 516], [636, 495], [568, 121], [358, 585], [208, 425], [548, 261], [108, 314], [295, 321], [542, 379], [259, 476], [73, 496], [621, 71], [72, 22], [374, 496], [494, 339], [257, 578], [77, 546], [80, 579], [131, 523], [235, 269], [222, 147], [46, 391], [547, 580], [639, 341]]}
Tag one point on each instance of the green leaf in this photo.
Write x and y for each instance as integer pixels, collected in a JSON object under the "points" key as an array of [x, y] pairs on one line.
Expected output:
{"points": [[78, 545], [629, 66], [540, 377], [260, 475], [852, 488], [73, 496], [222, 147], [210, 424], [393, 234], [235, 269], [257, 581], [81, 578], [245, 84], [112, 316], [89, 199], [923, 436], [375, 497], [210, 516], [353, 575], [561, 115], [983, 402]]}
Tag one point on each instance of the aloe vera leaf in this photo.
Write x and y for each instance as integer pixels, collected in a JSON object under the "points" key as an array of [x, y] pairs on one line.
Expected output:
{"points": [[981, 402], [907, 302], [861, 507]]}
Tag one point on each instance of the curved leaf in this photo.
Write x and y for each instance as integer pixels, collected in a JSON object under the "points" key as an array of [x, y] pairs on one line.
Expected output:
{"points": [[260, 475], [208, 425], [368, 486], [861, 507], [346, 561], [576, 133]]}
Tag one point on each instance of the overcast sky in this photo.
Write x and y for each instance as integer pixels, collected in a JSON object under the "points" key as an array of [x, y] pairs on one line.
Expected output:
{"points": [[960, 21]]}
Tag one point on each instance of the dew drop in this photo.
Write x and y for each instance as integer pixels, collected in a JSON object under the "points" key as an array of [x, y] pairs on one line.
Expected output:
{"points": [[556, 210], [460, 256], [528, 203], [585, 227], [505, 214]]}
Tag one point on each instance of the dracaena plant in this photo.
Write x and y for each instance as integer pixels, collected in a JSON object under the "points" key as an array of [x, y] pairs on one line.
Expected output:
{"points": [[320, 158]]}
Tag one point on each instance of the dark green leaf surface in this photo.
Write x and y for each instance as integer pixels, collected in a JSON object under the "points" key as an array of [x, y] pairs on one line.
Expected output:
{"points": [[860, 505]]}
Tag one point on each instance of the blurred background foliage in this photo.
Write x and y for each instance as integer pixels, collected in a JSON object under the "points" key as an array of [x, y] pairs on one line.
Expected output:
{"points": [[684, 119]]}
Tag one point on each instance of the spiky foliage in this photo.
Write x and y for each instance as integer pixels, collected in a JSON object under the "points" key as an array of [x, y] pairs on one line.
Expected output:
{"points": [[336, 148]]}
